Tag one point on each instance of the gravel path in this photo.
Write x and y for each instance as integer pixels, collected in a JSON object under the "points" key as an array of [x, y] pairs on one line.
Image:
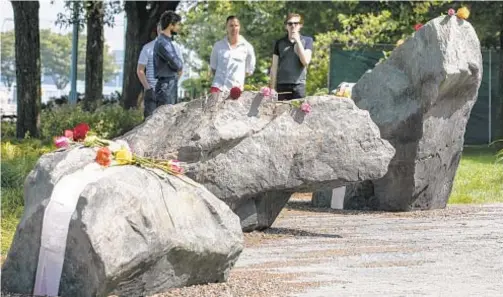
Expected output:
{"points": [[313, 253]]}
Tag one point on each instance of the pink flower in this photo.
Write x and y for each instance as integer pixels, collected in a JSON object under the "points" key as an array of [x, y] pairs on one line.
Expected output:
{"points": [[451, 12], [176, 166], [61, 141], [69, 134], [418, 26], [266, 92], [305, 107]]}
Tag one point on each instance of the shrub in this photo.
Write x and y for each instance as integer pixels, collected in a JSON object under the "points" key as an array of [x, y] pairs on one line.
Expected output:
{"points": [[108, 121]]}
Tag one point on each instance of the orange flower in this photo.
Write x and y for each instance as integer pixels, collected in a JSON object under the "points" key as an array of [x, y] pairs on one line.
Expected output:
{"points": [[104, 156]]}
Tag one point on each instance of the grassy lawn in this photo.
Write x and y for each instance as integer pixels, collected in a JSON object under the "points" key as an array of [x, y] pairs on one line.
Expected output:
{"points": [[478, 179]]}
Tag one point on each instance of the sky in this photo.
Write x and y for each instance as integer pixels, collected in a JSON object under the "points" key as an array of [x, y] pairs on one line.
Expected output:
{"points": [[48, 12]]}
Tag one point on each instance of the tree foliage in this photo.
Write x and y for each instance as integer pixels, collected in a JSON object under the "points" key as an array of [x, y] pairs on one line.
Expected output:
{"points": [[65, 19], [55, 52], [8, 60], [354, 24]]}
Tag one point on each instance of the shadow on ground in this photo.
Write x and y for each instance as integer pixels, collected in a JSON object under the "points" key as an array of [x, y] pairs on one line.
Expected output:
{"points": [[303, 205], [298, 232]]}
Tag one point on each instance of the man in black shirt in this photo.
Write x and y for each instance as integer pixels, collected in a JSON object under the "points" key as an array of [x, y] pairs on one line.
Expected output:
{"points": [[292, 55], [167, 64]]}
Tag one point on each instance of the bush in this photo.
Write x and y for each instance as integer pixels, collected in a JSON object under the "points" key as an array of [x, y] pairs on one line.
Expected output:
{"points": [[108, 121]]}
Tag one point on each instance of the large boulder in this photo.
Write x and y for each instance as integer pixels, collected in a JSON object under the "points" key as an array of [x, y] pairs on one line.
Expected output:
{"points": [[253, 154], [421, 98], [133, 233]]}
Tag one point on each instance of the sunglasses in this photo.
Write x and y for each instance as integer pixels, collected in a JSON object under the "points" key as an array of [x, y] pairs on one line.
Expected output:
{"points": [[293, 23]]}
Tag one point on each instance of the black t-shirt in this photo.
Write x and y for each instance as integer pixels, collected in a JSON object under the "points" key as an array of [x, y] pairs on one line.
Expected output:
{"points": [[290, 68]]}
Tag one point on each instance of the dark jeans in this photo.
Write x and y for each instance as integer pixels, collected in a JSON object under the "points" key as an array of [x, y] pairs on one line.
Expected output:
{"points": [[149, 103], [166, 91], [294, 91]]}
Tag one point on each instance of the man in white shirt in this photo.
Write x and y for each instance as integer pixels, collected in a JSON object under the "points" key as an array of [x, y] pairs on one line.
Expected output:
{"points": [[232, 58], [145, 72]]}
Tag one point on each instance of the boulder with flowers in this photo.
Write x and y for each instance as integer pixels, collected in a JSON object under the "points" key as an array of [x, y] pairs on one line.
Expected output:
{"points": [[421, 98], [253, 151], [100, 219]]}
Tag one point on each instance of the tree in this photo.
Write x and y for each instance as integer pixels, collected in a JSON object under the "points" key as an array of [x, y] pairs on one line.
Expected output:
{"points": [[55, 51], [262, 24], [95, 14], [26, 23], [94, 53], [142, 17], [8, 63], [501, 76]]}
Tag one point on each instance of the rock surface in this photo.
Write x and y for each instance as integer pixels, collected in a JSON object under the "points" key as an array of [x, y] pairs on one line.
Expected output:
{"points": [[253, 154], [132, 234], [421, 98]]}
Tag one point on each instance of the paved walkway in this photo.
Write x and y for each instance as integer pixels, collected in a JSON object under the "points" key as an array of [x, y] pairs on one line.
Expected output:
{"points": [[452, 252]]}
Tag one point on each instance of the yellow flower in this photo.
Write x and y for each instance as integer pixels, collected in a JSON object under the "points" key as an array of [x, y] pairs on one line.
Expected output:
{"points": [[463, 13], [399, 42], [124, 156]]}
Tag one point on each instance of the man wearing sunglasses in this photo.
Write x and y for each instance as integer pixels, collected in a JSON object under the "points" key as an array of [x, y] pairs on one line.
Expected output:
{"points": [[292, 55]]}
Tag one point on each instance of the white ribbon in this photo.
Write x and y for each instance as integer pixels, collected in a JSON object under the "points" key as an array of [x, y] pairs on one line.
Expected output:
{"points": [[56, 222]]}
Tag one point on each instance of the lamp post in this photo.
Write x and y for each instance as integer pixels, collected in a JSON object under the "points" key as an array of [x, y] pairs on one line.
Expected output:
{"points": [[75, 46]]}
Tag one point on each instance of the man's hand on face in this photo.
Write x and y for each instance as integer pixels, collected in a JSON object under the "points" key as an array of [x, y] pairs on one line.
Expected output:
{"points": [[296, 36]]}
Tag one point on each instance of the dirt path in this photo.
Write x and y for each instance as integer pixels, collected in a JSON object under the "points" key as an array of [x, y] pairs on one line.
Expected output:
{"points": [[314, 253]]}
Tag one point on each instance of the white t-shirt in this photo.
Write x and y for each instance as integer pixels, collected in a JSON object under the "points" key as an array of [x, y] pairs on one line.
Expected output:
{"points": [[231, 64]]}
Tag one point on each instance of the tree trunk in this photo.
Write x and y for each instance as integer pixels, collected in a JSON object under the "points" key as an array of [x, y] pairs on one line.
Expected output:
{"points": [[26, 23], [94, 55], [140, 24]]}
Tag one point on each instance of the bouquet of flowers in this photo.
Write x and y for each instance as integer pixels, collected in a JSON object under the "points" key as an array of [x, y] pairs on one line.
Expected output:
{"points": [[301, 104], [113, 153]]}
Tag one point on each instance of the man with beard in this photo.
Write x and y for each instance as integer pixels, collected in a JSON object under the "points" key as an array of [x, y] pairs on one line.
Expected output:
{"points": [[167, 63]]}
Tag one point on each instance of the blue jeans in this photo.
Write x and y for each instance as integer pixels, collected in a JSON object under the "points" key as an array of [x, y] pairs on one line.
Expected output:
{"points": [[166, 91]]}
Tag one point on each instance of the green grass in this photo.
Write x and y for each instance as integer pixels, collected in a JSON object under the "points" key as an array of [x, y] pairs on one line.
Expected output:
{"points": [[479, 178], [18, 159]]}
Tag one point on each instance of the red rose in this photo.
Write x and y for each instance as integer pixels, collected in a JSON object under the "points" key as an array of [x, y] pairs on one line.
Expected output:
{"points": [[235, 93], [80, 131], [418, 26]]}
